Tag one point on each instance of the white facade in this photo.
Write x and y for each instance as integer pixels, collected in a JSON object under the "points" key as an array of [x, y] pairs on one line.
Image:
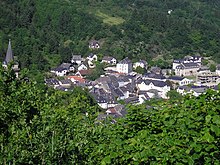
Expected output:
{"points": [[82, 67], [124, 66], [162, 88], [141, 63], [60, 72], [218, 70], [109, 60], [92, 57]]}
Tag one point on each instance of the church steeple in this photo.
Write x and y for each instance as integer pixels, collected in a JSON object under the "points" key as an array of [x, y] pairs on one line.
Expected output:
{"points": [[9, 55]]}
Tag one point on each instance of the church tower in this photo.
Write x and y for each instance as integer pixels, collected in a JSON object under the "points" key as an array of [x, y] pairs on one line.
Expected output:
{"points": [[10, 58]]}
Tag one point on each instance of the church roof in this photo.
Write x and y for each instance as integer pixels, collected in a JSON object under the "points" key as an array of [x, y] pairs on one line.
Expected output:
{"points": [[9, 56]]}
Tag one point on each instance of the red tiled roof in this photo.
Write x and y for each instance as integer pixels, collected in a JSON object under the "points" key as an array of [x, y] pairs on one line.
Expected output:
{"points": [[111, 110], [85, 72], [77, 78]]}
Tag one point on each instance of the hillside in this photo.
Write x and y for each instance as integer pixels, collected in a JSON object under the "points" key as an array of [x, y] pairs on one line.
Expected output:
{"points": [[44, 33], [54, 127]]}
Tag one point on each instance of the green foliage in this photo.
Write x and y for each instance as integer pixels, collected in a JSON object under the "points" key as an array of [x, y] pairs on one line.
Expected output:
{"points": [[141, 29], [212, 68], [55, 127], [140, 70], [174, 95], [97, 71]]}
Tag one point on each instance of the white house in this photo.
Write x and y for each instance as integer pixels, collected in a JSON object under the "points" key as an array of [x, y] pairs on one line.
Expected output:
{"points": [[141, 63], [77, 59], [124, 66], [187, 69], [92, 57], [188, 59], [82, 67], [208, 78], [161, 86], [218, 69], [94, 44], [63, 69], [109, 60], [180, 80]]}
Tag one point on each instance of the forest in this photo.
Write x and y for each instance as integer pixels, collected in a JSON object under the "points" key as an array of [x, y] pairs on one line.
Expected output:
{"points": [[46, 126], [45, 33]]}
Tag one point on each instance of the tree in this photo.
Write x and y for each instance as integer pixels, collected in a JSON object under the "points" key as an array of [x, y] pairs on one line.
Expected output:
{"points": [[140, 70]]}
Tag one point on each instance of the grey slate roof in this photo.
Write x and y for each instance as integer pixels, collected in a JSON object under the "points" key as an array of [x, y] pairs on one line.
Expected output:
{"points": [[155, 76], [66, 81], [119, 92], [125, 61], [155, 82], [177, 78], [51, 81], [9, 55], [107, 58], [190, 65], [134, 99], [76, 57]]}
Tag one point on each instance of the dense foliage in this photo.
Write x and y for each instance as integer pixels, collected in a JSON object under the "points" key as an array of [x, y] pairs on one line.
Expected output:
{"points": [[44, 33], [53, 127]]}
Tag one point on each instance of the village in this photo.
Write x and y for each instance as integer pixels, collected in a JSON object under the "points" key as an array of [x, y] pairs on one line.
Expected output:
{"points": [[125, 82], [121, 84]]}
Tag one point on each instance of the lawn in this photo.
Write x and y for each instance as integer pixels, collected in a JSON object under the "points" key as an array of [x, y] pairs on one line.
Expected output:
{"points": [[110, 20]]}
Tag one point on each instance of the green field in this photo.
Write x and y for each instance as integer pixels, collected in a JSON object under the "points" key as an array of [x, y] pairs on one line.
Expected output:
{"points": [[110, 20]]}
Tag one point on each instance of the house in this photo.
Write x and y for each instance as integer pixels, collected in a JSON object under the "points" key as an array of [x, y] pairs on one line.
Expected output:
{"points": [[218, 69], [154, 93], [132, 100], [92, 57], [141, 63], [52, 82], [91, 64], [117, 110], [63, 69], [94, 44], [9, 58], [188, 66], [155, 70], [77, 59], [82, 66], [187, 59], [119, 94], [154, 76], [198, 90], [146, 85], [125, 92], [65, 83], [194, 90], [180, 81], [109, 60], [143, 96], [208, 78], [124, 66], [183, 89], [76, 79], [102, 101], [187, 69], [166, 72], [203, 69], [83, 73], [123, 80]]}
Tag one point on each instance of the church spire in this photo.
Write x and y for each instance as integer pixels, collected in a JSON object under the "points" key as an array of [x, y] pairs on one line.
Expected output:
{"points": [[9, 56]]}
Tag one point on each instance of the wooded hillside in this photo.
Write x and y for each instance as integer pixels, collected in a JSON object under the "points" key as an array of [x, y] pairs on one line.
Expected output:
{"points": [[45, 33]]}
